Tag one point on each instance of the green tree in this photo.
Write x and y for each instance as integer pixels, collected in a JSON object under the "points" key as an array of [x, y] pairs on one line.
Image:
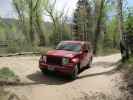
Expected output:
{"points": [[30, 17], [99, 13], [120, 17], [129, 22], [59, 30], [111, 36], [83, 21]]}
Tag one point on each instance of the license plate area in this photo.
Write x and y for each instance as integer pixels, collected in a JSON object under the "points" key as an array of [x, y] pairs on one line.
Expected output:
{"points": [[51, 68]]}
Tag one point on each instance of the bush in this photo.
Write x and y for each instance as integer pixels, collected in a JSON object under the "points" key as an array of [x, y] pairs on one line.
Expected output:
{"points": [[6, 73], [129, 65]]}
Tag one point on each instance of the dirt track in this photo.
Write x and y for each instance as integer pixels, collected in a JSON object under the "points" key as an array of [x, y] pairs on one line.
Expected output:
{"points": [[100, 78]]}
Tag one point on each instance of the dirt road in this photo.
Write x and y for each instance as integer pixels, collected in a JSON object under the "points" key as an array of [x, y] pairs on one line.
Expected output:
{"points": [[100, 78]]}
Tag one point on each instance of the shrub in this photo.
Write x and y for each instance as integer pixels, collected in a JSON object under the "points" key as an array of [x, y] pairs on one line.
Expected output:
{"points": [[6, 73]]}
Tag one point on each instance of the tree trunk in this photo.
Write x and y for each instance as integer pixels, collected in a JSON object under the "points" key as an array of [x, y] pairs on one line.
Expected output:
{"points": [[40, 31], [38, 23], [22, 21], [120, 16], [31, 31], [98, 27]]}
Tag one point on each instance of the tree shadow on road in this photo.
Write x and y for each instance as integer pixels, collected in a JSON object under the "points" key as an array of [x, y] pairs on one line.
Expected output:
{"points": [[39, 78], [105, 64], [56, 79], [48, 79], [109, 72]]}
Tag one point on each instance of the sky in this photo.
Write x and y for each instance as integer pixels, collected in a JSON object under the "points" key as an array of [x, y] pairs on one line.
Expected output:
{"points": [[6, 9]]}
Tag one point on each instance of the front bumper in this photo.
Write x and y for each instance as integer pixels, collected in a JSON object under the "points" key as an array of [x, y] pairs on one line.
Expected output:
{"points": [[64, 69]]}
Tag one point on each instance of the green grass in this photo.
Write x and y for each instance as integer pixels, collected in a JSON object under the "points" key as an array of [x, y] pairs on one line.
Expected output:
{"points": [[130, 61], [6, 73], [127, 67]]}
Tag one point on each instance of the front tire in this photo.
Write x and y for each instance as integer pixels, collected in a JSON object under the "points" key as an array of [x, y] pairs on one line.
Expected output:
{"points": [[75, 72]]}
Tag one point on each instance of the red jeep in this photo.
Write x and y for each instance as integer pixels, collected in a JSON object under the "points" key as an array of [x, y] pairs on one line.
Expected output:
{"points": [[69, 58]]}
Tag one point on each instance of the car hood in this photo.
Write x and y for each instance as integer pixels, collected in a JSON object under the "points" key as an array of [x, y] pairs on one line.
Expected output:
{"points": [[62, 53]]}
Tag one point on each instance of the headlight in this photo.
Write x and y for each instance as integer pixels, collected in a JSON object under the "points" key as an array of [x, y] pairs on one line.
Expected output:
{"points": [[65, 61]]}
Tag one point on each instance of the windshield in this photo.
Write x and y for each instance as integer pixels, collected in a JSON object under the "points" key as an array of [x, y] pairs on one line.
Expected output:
{"points": [[69, 47]]}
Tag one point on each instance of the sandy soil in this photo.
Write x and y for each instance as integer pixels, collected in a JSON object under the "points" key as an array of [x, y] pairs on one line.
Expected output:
{"points": [[100, 78]]}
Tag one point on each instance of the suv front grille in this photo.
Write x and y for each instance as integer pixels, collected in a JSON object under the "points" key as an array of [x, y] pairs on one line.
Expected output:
{"points": [[54, 60]]}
